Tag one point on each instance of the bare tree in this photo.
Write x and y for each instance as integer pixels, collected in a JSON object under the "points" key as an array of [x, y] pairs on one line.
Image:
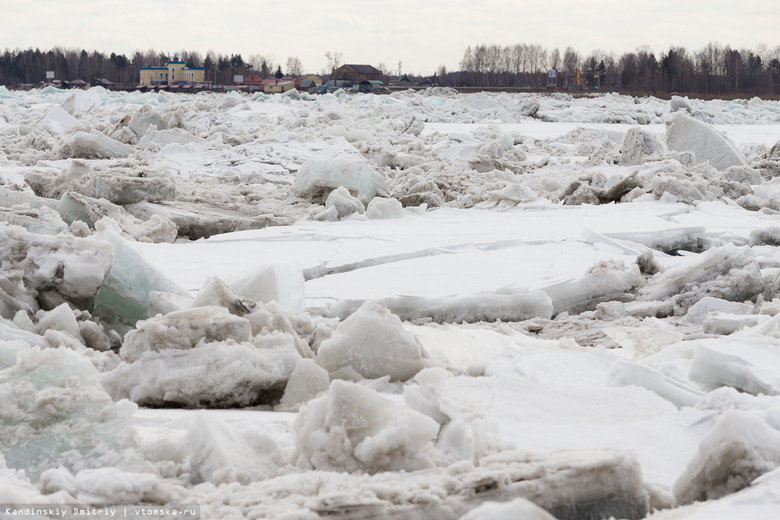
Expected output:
{"points": [[441, 74], [571, 60], [294, 67], [334, 61]]}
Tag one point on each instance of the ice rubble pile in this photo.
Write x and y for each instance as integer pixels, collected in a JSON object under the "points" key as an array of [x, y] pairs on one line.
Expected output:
{"points": [[135, 164], [383, 429]]}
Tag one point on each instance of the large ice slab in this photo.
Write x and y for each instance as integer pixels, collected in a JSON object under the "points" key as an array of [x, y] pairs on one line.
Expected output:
{"points": [[687, 134], [123, 298]]}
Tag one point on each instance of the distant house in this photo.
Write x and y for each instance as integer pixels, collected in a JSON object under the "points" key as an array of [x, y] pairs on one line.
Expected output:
{"points": [[253, 80], [308, 81], [102, 82], [276, 85], [357, 73], [76, 83], [172, 74]]}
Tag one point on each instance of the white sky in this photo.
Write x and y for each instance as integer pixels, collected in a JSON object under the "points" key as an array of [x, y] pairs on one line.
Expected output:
{"points": [[422, 34]]}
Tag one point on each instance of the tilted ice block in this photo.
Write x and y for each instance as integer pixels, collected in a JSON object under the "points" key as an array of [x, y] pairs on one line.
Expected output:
{"points": [[56, 413], [216, 375], [737, 450], [282, 283], [216, 293], [83, 145], [744, 361], [58, 121], [687, 134], [316, 177], [123, 298], [680, 103], [60, 318]]}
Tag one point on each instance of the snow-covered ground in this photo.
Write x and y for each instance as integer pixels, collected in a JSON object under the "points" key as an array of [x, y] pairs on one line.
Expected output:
{"points": [[419, 305]]}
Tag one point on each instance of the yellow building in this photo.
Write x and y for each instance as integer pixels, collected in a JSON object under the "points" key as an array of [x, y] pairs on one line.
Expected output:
{"points": [[173, 74], [315, 80], [278, 85]]}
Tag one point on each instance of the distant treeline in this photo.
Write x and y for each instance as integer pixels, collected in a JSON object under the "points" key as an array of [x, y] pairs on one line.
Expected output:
{"points": [[715, 69], [30, 66]]}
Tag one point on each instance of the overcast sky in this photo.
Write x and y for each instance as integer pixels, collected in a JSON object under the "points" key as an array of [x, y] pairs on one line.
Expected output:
{"points": [[421, 34]]}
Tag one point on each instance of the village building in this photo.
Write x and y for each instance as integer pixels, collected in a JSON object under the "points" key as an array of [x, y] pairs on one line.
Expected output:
{"points": [[278, 85], [175, 72], [308, 81], [356, 74]]}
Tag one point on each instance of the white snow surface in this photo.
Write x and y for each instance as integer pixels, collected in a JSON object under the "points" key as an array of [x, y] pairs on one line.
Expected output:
{"points": [[415, 305]]}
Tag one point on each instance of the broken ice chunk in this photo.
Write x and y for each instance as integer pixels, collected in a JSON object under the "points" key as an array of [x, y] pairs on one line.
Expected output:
{"points": [[56, 413], [184, 330], [374, 343], [637, 145], [381, 207], [83, 145], [56, 269], [211, 375], [317, 177], [354, 428]]}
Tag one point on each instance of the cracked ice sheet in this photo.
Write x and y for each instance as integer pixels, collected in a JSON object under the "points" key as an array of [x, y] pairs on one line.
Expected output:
{"points": [[462, 273], [456, 239]]}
